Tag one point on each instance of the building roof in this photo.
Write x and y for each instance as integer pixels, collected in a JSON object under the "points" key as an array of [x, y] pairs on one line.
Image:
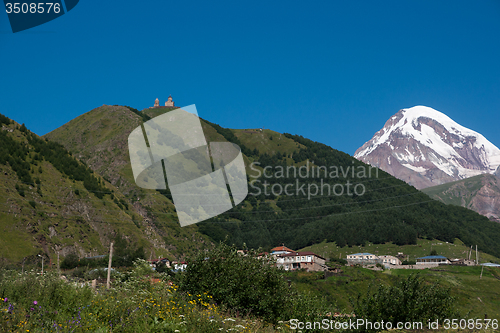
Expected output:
{"points": [[281, 248], [159, 259], [361, 254], [433, 257], [489, 264]]}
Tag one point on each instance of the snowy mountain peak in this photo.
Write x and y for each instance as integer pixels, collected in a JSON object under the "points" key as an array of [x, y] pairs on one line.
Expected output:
{"points": [[425, 147]]}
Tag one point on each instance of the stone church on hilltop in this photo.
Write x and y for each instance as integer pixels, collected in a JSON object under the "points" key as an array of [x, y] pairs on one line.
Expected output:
{"points": [[169, 103]]}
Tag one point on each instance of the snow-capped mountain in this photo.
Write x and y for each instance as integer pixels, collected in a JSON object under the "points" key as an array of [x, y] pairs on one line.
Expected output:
{"points": [[424, 147]]}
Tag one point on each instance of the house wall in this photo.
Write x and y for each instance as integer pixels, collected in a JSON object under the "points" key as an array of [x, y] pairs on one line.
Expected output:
{"points": [[308, 262], [432, 261], [389, 260]]}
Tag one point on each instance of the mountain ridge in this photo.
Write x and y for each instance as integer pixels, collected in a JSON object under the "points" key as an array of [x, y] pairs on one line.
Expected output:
{"points": [[479, 193], [390, 210], [295, 218]]}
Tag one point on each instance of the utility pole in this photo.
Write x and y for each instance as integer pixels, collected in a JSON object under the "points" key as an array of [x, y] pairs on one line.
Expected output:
{"points": [[480, 276], [109, 264], [477, 260], [58, 265], [42, 262]]}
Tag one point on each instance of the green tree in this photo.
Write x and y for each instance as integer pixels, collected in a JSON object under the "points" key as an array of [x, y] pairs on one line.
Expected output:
{"points": [[243, 283], [70, 261], [409, 300]]}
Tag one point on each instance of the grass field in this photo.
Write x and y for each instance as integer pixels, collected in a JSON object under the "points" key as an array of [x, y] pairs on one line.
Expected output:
{"points": [[423, 248], [475, 297]]}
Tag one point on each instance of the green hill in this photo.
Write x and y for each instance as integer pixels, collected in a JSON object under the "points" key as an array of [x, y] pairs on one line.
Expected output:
{"points": [[54, 203], [385, 209]]}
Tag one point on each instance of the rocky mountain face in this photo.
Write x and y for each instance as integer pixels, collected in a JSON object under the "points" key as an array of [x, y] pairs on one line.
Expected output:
{"points": [[424, 147], [480, 193]]}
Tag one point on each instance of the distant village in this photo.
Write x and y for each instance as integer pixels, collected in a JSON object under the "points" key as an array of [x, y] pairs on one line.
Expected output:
{"points": [[291, 260]]}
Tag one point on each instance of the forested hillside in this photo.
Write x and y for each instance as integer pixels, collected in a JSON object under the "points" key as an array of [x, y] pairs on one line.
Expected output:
{"points": [[388, 211]]}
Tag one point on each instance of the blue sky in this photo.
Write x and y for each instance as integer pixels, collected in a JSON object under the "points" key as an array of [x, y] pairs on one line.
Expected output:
{"points": [[332, 71]]}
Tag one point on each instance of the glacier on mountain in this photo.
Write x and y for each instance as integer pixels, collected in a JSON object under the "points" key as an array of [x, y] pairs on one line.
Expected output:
{"points": [[425, 140]]}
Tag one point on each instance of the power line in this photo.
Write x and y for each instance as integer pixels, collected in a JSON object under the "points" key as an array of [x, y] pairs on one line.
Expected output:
{"points": [[194, 194], [272, 220], [229, 212]]}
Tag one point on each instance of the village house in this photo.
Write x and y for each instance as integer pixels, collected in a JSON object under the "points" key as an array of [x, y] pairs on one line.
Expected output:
{"points": [[362, 259], [301, 260], [281, 250], [179, 266], [154, 262], [462, 262], [387, 260], [436, 260]]}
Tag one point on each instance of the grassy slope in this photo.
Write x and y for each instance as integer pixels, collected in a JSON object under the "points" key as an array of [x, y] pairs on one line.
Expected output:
{"points": [[423, 248], [100, 139], [479, 296], [267, 141], [61, 220], [474, 297]]}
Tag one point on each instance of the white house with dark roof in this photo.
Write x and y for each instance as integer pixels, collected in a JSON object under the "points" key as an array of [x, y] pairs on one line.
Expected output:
{"points": [[301, 260]]}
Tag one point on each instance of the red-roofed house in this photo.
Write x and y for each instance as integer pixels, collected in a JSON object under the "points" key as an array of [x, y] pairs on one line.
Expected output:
{"points": [[281, 250]]}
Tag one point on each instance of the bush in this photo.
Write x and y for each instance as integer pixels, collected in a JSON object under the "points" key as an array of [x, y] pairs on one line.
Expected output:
{"points": [[70, 261], [80, 272], [410, 300], [100, 274], [338, 261], [241, 283]]}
